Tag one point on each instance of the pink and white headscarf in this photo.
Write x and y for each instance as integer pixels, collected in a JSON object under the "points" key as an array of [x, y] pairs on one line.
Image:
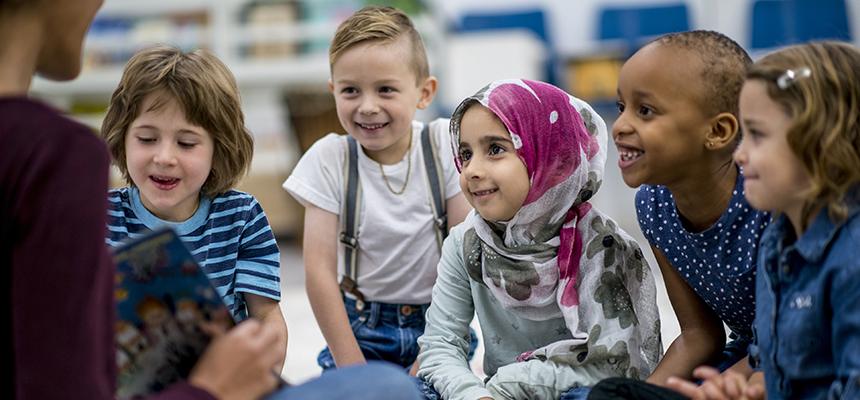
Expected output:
{"points": [[558, 256]]}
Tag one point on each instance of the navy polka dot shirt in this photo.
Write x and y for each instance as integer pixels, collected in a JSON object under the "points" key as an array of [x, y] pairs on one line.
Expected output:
{"points": [[719, 262]]}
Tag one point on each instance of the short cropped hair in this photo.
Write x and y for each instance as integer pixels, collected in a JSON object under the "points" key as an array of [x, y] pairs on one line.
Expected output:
{"points": [[825, 111], [384, 24], [724, 66], [207, 92]]}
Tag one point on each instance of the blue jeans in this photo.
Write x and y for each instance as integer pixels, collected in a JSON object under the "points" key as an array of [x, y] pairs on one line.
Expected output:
{"points": [[364, 382], [387, 332], [734, 351]]}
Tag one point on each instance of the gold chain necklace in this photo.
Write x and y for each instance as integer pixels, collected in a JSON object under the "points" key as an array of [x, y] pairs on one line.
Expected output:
{"points": [[408, 170]]}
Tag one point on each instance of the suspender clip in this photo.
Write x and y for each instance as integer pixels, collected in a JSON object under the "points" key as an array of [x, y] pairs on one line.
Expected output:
{"points": [[348, 240], [349, 286]]}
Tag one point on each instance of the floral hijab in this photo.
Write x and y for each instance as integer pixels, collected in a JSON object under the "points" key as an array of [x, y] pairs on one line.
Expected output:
{"points": [[558, 256]]}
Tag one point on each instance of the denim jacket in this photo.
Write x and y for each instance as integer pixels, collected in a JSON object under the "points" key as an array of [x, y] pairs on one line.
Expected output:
{"points": [[807, 324]]}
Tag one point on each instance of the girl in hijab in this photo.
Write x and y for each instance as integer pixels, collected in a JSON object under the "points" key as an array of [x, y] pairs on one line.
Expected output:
{"points": [[563, 295]]}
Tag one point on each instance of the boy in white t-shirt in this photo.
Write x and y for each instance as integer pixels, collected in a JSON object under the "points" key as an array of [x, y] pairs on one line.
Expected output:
{"points": [[385, 241]]}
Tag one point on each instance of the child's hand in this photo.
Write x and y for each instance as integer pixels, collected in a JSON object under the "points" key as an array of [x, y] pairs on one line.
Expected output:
{"points": [[716, 386]]}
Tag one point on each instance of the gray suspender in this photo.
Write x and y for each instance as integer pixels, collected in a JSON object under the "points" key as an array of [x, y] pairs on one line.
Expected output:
{"points": [[436, 184], [352, 203], [349, 217]]}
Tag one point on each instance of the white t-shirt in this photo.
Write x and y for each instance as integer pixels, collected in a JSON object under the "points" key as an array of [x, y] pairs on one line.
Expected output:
{"points": [[398, 253]]}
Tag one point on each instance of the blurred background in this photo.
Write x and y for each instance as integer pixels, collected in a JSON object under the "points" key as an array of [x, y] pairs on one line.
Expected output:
{"points": [[277, 49]]}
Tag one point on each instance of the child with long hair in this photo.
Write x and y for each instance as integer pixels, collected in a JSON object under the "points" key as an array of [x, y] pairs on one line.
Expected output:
{"points": [[563, 295], [176, 131], [800, 109]]}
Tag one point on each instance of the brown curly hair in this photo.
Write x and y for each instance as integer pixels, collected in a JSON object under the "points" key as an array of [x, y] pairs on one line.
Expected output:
{"points": [[205, 89], [825, 112]]}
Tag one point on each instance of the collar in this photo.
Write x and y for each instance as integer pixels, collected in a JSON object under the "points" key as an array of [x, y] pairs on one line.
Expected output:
{"points": [[813, 243], [152, 222]]}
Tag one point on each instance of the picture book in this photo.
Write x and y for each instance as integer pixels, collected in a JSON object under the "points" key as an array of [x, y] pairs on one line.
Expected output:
{"points": [[162, 296]]}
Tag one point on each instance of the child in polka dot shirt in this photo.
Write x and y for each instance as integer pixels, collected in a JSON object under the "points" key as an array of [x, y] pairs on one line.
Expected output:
{"points": [[675, 133]]}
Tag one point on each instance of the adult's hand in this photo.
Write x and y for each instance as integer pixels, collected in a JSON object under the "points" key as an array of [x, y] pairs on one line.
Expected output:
{"points": [[239, 364]]}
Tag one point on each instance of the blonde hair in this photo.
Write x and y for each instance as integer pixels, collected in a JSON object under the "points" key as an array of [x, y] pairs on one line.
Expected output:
{"points": [[384, 24], [825, 110], [208, 95]]}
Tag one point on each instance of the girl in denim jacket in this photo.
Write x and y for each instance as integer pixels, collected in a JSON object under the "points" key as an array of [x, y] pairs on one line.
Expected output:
{"points": [[800, 108]]}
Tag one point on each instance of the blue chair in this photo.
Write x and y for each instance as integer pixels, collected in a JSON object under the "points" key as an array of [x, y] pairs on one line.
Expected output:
{"points": [[781, 22], [530, 19], [634, 26]]}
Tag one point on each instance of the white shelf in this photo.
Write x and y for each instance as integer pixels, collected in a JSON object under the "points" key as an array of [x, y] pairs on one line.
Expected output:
{"points": [[302, 71], [157, 7], [94, 82], [225, 35]]}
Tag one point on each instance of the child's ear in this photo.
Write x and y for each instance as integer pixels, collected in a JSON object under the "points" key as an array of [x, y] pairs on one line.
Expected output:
{"points": [[724, 131], [428, 91], [330, 86]]}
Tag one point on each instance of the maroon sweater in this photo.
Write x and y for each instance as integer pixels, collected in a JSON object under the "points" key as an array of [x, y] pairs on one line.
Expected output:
{"points": [[59, 277]]}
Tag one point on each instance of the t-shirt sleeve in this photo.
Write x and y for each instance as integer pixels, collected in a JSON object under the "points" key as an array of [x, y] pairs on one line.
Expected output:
{"points": [[317, 179], [445, 152], [645, 211], [258, 261]]}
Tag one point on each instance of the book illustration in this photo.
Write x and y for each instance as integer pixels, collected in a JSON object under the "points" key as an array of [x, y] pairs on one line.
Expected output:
{"points": [[162, 297]]}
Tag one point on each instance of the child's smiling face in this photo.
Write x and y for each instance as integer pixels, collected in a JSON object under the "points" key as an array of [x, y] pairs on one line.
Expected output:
{"points": [[168, 158], [494, 179], [774, 178], [661, 127], [377, 91]]}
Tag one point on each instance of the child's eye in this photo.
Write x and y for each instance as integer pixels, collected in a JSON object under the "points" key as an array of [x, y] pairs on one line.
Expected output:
{"points": [[349, 90], [145, 140], [465, 155], [387, 90], [620, 106], [645, 111], [187, 145], [755, 135], [496, 149]]}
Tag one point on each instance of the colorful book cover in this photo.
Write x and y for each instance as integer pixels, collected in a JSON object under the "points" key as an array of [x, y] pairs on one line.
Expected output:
{"points": [[162, 297]]}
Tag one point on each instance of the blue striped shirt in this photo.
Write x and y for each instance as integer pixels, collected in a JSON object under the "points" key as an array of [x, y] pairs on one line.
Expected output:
{"points": [[229, 237]]}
